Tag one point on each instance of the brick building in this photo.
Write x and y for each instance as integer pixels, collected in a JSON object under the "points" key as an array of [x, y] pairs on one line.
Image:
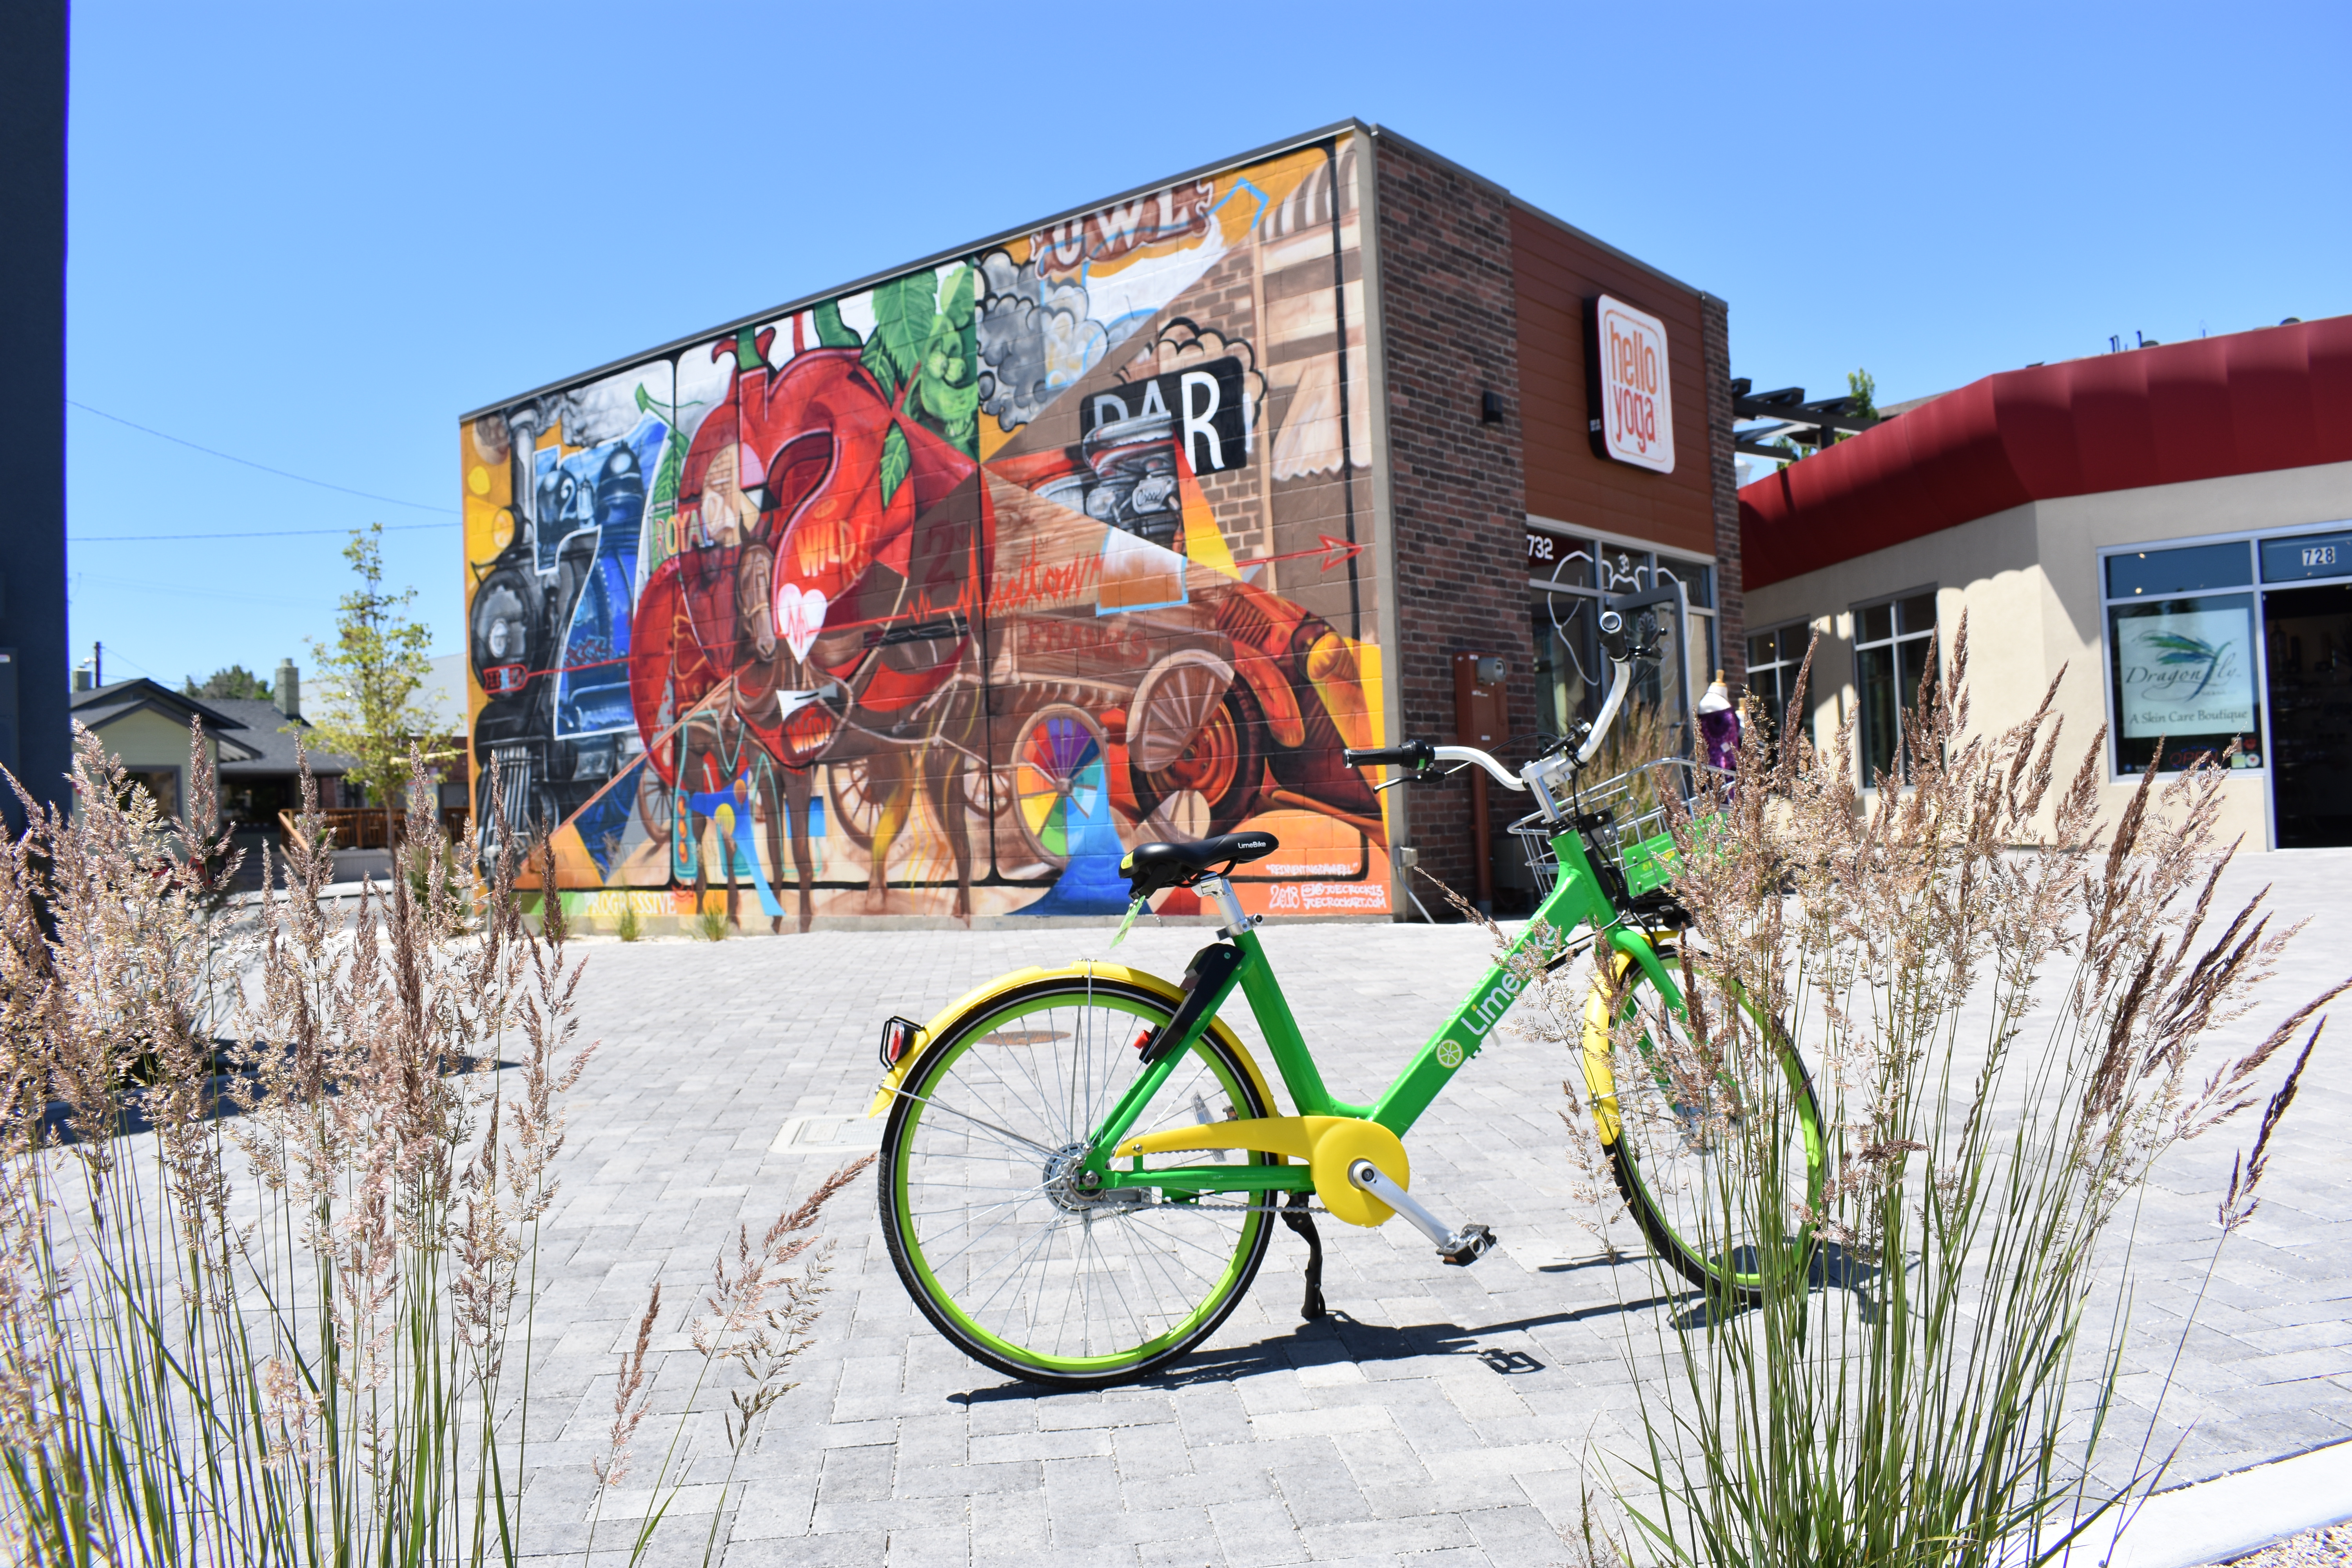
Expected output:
{"points": [[1480, 292], [926, 596]]}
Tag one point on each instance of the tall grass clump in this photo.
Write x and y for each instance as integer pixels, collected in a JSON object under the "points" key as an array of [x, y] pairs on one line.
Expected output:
{"points": [[2002, 1002], [271, 1201], [266, 1316]]}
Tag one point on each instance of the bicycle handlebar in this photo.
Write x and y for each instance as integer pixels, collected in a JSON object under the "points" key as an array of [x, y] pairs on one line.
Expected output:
{"points": [[1477, 758], [1411, 754], [1416, 755], [1618, 685]]}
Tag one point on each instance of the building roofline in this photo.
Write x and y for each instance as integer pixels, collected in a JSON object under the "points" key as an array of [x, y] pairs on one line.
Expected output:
{"points": [[1628, 258], [133, 688], [936, 259], [2242, 403], [1383, 133]]}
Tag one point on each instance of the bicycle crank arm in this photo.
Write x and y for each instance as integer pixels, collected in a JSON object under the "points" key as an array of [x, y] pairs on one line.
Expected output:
{"points": [[1463, 1246]]}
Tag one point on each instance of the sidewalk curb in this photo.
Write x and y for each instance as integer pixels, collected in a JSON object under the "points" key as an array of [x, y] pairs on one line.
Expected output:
{"points": [[2232, 1515]]}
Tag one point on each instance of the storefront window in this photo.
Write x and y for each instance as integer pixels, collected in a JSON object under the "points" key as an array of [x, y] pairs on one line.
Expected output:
{"points": [[1571, 678], [1895, 657], [1774, 659], [2181, 659], [1570, 574], [2143, 573], [2307, 559]]}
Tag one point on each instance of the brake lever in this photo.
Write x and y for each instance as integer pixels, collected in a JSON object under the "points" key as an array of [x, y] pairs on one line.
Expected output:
{"points": [[1419, 778]]}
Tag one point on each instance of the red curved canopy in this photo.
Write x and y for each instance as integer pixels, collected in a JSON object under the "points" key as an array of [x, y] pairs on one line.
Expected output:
{"points": [[2247, 403]]}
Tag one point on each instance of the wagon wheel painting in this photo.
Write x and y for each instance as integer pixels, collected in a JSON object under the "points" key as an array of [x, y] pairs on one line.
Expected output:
{"points": [[1058, 759], [653, 802], [986, 797], [1195, 752], [858, 799]]}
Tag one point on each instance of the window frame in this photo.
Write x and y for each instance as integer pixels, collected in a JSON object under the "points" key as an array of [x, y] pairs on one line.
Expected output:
{"points": [[136, 777], [1784, 661], [1894, 642], [2253, 589], [1650, 557]]}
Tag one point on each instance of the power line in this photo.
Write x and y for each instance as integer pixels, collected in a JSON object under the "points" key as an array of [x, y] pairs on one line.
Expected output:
{"points": [[262, 533], [233, 457]]}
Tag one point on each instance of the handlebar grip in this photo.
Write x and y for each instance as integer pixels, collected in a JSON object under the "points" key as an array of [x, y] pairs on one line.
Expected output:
{"points": [[1411, 754]]}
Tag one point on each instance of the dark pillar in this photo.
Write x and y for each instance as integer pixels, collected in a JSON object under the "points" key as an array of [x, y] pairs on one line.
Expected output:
{"points": [[34, 726]]}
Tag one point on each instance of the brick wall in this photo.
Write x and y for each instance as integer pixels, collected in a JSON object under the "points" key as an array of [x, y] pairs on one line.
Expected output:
{"points": [[1449, 324], [1731, 622]]}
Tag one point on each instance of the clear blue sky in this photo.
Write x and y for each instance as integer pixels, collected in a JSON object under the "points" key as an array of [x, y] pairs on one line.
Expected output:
{"points": [[311, 236]]}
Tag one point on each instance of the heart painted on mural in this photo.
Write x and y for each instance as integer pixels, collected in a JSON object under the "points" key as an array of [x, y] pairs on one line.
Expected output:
{"points": [[800, 616]]}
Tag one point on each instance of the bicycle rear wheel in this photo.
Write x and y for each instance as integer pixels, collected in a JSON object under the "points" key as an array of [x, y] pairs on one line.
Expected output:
{"points": [[1006, 1256], [1712, 1147]]}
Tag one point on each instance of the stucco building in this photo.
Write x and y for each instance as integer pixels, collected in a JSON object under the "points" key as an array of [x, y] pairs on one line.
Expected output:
{"points": [[2169, 527]]}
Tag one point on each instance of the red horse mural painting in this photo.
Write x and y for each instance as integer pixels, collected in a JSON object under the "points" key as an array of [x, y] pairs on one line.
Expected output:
{"points": [[932, 599]]}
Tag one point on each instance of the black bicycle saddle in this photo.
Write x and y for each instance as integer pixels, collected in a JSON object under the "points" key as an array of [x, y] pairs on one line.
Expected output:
{"points": [[1150, 868]]}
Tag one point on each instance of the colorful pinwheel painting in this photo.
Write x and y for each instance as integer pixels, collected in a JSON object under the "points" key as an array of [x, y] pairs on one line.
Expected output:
{"points": [[2179, 648]]}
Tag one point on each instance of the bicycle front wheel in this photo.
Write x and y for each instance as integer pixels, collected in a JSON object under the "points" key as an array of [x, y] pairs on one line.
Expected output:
{"points": [[1002, 1251], [1715, 1148]]}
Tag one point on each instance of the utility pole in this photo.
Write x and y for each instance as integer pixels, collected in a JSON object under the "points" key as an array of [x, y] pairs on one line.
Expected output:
{"points": [[36, 726]]}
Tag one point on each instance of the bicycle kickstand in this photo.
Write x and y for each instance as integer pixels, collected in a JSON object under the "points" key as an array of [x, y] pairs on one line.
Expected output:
{"points": [[1294, 1214], [1462, 1246]]}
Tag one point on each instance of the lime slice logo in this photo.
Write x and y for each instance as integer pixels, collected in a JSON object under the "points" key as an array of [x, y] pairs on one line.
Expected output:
{"points": [[1449, 1054]]}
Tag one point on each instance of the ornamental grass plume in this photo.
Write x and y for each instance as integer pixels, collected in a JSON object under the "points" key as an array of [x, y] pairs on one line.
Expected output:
{"points": [[2003, 1003], [268, 1212], [754, 1324], [272, 1202]]}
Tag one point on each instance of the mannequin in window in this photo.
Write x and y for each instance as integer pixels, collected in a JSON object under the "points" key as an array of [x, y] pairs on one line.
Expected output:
{"points": [[1718, 725]]}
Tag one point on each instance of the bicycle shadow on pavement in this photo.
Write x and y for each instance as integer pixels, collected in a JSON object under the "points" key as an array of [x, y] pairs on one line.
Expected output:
{"points": [[1833, 1268], [1358, 1341]]}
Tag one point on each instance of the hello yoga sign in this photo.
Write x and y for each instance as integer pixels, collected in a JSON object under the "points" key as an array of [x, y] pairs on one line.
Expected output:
{"points": [[1633, 414]]}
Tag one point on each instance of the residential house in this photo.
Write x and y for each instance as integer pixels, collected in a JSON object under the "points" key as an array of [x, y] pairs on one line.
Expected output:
{"points": [[146, 727]]}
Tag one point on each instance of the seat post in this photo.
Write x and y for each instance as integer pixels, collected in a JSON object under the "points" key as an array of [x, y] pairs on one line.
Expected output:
{"points": [[1228, 902]]}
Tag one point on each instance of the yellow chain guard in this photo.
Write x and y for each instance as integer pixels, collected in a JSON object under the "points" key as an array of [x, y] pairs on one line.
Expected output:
{"points": [[1329, 1144]]}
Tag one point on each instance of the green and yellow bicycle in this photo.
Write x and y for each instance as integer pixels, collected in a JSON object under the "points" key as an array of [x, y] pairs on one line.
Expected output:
{"points": [[1083, 1166]]}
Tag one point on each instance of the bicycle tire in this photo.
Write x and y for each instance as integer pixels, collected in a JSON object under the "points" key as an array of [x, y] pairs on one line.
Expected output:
{"points": [[1108, 1289], [1697, 1212]]}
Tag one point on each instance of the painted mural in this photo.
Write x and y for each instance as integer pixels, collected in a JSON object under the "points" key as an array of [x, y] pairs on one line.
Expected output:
{"points": [[933, 598]]}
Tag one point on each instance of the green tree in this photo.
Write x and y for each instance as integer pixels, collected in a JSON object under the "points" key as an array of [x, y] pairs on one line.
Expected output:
{"points": [[374, 698], [1860, 386], [1864, 390], [234, 681]]}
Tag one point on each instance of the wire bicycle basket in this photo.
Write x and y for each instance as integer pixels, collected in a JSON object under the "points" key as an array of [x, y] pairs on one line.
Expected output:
{"points": [[1633, 837]]}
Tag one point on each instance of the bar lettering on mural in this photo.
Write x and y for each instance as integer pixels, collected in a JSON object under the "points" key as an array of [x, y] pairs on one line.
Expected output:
{"points": [[1202, 409]]}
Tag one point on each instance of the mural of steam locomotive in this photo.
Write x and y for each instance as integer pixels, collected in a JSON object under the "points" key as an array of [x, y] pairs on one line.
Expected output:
{"points": [[548, 630]]}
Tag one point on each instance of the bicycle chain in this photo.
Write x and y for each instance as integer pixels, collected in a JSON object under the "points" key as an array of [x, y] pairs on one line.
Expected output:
{"points": [[1313, 1204]]}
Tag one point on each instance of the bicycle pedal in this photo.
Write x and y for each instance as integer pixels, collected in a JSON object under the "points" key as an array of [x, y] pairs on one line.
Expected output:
{"points": [[1466, 1246]]}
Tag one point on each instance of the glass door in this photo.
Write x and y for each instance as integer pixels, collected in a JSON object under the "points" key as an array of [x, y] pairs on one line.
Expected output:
{"points": [[2307, 633], [1658, 721]]}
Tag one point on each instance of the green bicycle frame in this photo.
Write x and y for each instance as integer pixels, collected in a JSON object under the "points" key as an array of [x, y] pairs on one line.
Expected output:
{"points": [[1577, 902]]}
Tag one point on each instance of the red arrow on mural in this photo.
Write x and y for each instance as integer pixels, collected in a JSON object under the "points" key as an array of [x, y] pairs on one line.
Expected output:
{"points": [[1333, 551]]}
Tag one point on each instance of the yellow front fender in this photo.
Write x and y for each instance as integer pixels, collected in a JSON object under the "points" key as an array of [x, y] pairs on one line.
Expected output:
{"points": [[943, 1024]]}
